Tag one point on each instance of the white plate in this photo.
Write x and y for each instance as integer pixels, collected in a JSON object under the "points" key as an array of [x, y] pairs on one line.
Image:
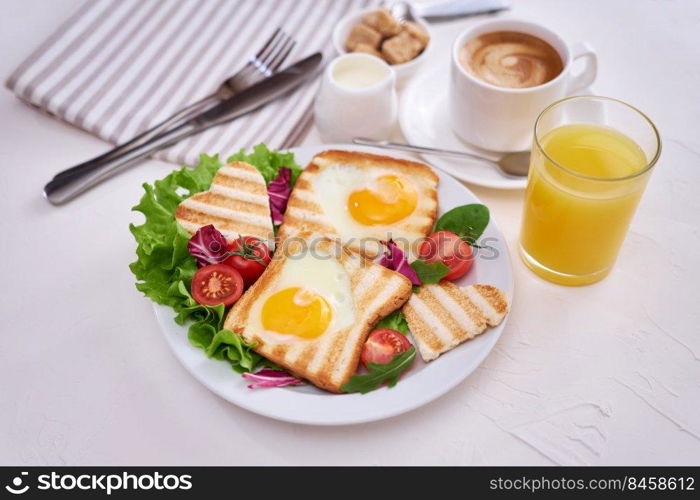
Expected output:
{"points": [[421, 384], [424, 119]]}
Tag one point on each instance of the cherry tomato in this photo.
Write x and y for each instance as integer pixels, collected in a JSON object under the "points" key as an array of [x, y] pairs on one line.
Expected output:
{"points": [[251, 258], [450, 249], [383, 345], [217, 284]]}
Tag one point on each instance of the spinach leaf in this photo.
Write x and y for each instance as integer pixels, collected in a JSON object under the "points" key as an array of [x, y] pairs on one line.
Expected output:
{"points": [[430, 273], [467, 221]]}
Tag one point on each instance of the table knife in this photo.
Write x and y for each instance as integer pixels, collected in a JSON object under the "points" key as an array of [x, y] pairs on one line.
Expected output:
{"points": [[70, 183]]}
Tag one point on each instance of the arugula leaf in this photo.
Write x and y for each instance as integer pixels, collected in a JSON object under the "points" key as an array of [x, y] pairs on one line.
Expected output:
{"points": [[467, 221], [378, 374], [268, 162], [164, 268], [395, 321], [430, 273]]}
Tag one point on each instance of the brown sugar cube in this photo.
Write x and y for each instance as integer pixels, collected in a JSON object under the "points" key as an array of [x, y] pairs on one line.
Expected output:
{"points": [[418, 33], [367, 49], [383, 22], [401, 48], [363, 34]]}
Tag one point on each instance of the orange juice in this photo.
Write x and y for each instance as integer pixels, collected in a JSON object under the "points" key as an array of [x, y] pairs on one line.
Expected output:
{"points": [[581, 195]]}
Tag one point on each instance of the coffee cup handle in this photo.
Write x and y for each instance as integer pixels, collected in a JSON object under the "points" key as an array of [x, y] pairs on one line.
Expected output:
{"points": [[581, 80]]}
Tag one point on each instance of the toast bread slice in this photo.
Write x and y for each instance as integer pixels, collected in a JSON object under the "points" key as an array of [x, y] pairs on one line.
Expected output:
{"points": [[305, 213], [329, 360], [236, 204], [442, 316]]}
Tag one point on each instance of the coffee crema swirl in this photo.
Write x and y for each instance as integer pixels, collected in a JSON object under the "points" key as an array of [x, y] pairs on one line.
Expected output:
{"points": [[511, 59]]}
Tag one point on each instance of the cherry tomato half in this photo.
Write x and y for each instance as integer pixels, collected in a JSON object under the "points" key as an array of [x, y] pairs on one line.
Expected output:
{"points": [[217, 284], [450, 249], [251, 258], [383, 345]]}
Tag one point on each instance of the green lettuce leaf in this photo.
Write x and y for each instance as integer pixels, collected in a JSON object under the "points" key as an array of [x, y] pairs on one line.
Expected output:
{"points": [[227, 346], [164, 269], [268, 162]]}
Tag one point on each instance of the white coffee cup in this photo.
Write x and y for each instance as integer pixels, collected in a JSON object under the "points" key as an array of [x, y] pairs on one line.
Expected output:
{"points": [[346, 107], [500, 118]]}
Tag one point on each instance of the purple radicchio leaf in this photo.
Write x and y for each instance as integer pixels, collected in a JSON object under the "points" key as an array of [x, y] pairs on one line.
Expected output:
{"points": [[278, 191], [395, 259], [208, 246], [268, 377]]}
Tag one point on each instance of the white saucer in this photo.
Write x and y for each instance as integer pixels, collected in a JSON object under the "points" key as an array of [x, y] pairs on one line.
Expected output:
{"points": [[424, 120]]}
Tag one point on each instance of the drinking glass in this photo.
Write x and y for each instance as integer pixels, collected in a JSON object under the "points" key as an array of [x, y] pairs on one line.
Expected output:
{"points": [[574, 223]]}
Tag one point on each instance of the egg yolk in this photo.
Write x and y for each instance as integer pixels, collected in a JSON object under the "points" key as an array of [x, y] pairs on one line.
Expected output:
{"points": [[296, 311], [390, 199]]}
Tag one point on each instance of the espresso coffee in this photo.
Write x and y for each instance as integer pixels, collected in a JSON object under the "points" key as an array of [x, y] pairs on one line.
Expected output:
{"points": [[511, 59]]}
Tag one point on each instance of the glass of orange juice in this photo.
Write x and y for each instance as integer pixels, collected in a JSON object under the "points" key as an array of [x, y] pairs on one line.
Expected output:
{"points": [[591, 159]]}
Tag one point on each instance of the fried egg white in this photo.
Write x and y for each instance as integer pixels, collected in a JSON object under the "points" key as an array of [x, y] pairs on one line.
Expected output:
{"points": [[310, 297], [366, 203]]}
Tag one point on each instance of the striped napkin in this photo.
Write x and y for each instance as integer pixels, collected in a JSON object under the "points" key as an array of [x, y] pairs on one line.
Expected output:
{"points": [[118, 67]]}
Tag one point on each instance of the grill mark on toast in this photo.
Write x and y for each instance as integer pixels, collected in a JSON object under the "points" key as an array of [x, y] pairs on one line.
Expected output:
{"points": [[374, 287], [236, 203], [303, 182], [240, 170], [442, 316], [211, 210], [423, 332], [306, 215], [496, 300], [461, 308], [424, 305], [226, 202], [331, 353], [303, 196], [416, 224], [234, 193], [225, 225], [293, 224], [278, 351], [305, 357], [365, 281], [371, 249], [240, 184], [307, 204], [331, 156]]}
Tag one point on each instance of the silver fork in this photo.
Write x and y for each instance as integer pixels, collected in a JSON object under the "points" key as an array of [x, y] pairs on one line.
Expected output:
{"points": [[263, 64]]}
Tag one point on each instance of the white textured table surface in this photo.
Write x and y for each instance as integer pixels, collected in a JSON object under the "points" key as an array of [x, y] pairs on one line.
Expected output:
{"points": [[607, 374]]}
